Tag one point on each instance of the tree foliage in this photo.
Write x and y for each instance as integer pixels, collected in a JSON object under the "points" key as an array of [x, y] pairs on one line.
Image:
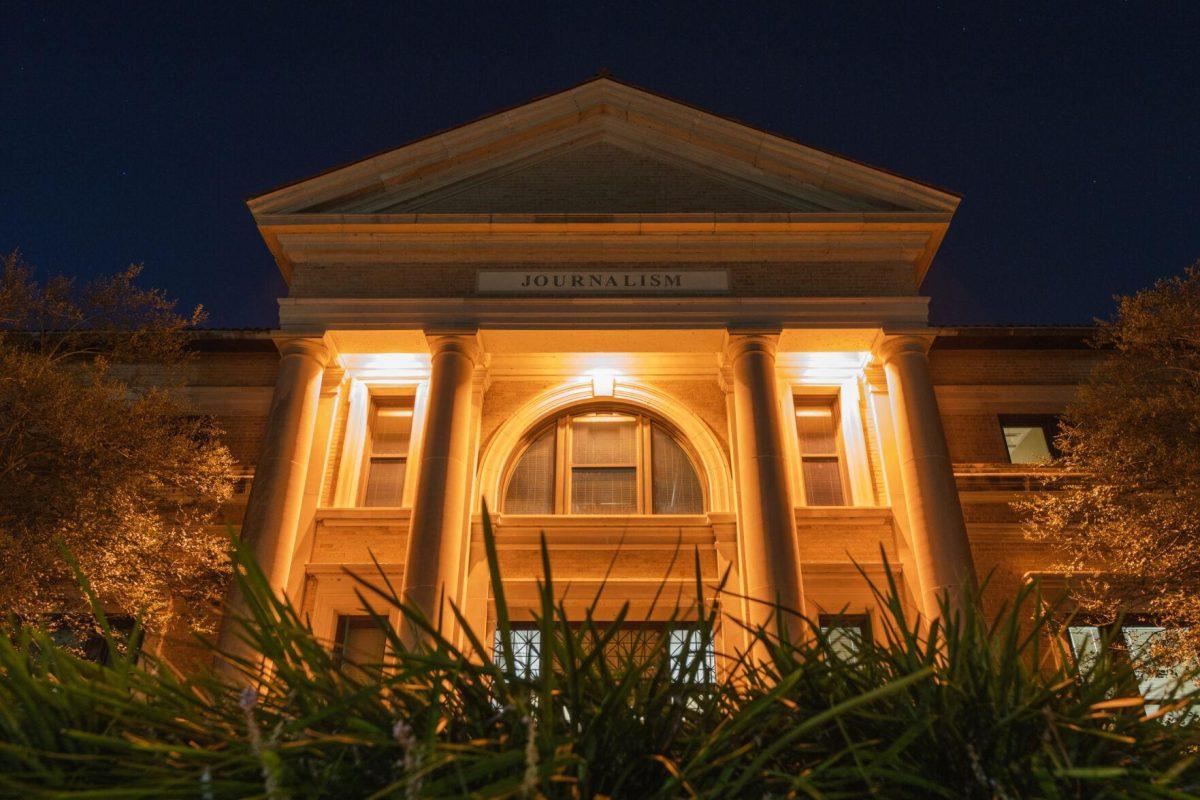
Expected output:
{"points": [[1128, 529], [93, 462]]}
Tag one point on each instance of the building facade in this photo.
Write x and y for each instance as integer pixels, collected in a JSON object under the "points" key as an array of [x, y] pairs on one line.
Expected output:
{"points": [[641, 331]]}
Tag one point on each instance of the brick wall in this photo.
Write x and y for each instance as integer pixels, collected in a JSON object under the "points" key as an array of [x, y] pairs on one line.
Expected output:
{"points": [[1010, 366]]}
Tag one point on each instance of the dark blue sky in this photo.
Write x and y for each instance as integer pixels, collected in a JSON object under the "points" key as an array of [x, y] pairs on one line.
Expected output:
{"points": [[1071, 129]]}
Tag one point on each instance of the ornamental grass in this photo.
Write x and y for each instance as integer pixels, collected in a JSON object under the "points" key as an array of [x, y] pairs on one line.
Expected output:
{"points": [[982, 707]]}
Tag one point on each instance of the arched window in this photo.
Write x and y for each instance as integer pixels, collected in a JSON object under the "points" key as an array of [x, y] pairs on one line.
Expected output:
{"points": [[603, 462]]}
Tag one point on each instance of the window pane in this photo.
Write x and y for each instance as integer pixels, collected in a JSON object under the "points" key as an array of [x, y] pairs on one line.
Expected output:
{"points": [[676, 487], [816, 429], [692, 658], [1086, 642], [604, 490], [1158, 681], [526, 644], [391, 430], [360, 640], [845, 635], [531, 487], [385, 482], [823, 482], [631, 645], [1027, 444], [604, 439]]}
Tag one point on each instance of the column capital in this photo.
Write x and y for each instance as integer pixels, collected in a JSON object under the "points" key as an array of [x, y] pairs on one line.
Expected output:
{"points": [[874, 377], [307, 346], [739, 342], [332, 379], [890, 345], [462, 341]]}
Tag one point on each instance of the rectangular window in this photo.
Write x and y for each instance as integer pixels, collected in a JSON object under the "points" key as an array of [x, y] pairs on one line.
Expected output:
{"points": [[691, 653], [604, 464], [820, 451], [83, 638], [1157, 682], [693, 659], [846, 633], [389, 436], [1086, 644], [527, 650], [360, 640], [1030, 437]]}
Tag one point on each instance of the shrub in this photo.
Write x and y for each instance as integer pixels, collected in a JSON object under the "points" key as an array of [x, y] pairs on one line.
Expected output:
{"points": [[980, 708]]}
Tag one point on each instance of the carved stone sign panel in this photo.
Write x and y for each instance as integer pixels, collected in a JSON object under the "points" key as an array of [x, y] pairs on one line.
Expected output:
{"points": [[566, 281]]}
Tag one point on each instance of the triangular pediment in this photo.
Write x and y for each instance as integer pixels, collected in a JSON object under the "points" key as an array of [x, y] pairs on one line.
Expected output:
{"points": [[604, 147], [601, 177]]}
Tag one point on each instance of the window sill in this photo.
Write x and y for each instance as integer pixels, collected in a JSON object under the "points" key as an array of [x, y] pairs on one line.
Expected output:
{"points": [[843, 512], [614, 520], [365, 513]]}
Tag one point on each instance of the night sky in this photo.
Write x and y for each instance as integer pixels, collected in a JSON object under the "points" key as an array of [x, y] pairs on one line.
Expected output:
{"points": [[1072, 130]]}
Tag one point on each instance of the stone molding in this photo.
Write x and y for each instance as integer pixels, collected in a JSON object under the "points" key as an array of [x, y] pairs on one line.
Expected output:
{"points": [[501, 448]]}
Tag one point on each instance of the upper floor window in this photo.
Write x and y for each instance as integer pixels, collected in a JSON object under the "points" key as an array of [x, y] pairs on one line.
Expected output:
{"points": [[389, 436], [604, 462], [1030, 437], [820, 451]]}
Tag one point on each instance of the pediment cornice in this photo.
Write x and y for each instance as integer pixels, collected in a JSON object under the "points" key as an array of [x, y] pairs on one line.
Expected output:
{"points": [[605, 110], [829, 206]]}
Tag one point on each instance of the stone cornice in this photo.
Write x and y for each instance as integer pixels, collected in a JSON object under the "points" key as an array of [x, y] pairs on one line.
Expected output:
{"points": [[556, 239], [611, 108], [319, 314]]}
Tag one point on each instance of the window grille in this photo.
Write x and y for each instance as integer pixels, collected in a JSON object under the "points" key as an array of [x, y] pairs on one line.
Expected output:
{"points": [[820, 457], [691, 654], [527, 650]]}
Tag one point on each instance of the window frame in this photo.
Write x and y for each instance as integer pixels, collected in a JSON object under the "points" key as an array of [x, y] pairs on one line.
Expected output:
{"points": [[564, 467], [1049, 423], [375, 402], [667, 629], [860, 621], [343, 624], [1112, 633], [834, 403]]}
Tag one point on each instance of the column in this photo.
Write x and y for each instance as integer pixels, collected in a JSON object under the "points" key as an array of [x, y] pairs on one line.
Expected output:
{"points": [[277, 493], [276, 496], [438, 529], [766, 513], [941, 550]]}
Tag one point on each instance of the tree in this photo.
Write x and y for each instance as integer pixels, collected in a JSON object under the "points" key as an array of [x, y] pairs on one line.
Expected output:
{"points": [[1127, 521], [94, 462]]}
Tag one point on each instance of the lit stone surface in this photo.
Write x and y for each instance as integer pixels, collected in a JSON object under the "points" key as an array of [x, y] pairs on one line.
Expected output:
{"points": [[389, 263]]}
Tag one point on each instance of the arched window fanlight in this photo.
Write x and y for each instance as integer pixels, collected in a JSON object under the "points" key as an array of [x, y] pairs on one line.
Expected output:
{"points": [[603, 462]]}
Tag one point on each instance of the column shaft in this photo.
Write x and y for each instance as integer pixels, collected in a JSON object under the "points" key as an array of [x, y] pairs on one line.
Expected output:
{"points": [[277, 493], [273, 509], [941, 550], [766, 513], [438, 528]]}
